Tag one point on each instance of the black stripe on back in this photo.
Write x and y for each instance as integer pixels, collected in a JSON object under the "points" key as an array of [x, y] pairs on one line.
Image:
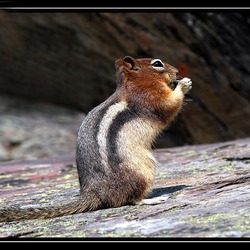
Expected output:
{"points": [[123, 117], [88, 158]]}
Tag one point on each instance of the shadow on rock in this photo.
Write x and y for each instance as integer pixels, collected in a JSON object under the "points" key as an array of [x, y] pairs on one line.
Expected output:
{"points": [[165, 190]]}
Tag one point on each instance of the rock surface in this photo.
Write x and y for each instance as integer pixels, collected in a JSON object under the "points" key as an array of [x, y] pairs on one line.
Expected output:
{"points": [[68, 59], [33, 130], [205, 192]]}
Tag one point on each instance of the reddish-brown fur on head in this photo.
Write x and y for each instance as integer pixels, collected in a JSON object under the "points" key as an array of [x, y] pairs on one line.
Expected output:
{"points": [[146, 84]]}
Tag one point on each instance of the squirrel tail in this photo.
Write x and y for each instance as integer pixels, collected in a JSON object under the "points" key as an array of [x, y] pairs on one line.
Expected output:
{"points": [[13, 213]]}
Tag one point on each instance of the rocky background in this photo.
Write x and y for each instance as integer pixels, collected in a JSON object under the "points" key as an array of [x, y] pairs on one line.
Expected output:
{"points": [[55, 67]]}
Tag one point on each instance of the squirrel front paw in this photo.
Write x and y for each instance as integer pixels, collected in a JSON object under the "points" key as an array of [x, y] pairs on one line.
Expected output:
{"points": [[185, 84]]}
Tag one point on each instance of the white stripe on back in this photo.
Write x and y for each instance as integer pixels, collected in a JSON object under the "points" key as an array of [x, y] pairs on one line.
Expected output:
{"points": [[102, 134]]}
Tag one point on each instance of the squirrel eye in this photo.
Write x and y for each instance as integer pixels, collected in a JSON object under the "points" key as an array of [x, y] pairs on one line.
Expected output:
{"points": [[157, 63]]}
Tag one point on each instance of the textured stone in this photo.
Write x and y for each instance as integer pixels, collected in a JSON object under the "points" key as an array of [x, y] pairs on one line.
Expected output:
{"points": [[204, 191]]}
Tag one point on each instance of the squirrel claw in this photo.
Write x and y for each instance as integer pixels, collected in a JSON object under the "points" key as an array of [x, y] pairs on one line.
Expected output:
{"points": [[185, 84]]}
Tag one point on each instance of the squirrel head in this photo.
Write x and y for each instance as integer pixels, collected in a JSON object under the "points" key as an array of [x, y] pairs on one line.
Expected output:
{"points": [[147, 84], [146, 71]]}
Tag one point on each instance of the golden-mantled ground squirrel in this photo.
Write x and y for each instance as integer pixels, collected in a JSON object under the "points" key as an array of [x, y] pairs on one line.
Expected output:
{"points": [[113, 156]]}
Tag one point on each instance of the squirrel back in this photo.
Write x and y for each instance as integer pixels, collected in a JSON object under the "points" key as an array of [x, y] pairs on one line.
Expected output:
{"points": [[113, 154]]}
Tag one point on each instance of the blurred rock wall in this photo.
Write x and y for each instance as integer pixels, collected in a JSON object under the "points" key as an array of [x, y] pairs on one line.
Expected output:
{"points": [[68, 59]]}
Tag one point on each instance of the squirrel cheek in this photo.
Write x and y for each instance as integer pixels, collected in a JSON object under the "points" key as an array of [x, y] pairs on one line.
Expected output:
{"points": [[167, 78]]}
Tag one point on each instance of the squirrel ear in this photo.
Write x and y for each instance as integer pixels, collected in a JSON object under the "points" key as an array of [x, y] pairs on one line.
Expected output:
{"points": [[130, 63], [118, 63]]}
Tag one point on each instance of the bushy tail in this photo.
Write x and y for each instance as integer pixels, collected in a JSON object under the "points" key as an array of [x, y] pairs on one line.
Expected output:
{"points": [[13, 213]]}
